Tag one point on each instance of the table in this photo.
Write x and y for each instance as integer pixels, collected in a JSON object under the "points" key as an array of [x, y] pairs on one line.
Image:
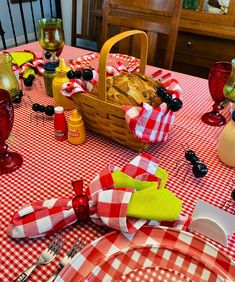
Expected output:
{"points": [[49, 166]]}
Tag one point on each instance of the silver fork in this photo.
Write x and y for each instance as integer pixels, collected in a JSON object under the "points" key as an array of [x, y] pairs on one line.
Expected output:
{"points": [[45, 257], [76, 247]]}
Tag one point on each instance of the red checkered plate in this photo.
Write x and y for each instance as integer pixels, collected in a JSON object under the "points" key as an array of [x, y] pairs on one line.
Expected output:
{"points": [[151, 254], [91, 61]]}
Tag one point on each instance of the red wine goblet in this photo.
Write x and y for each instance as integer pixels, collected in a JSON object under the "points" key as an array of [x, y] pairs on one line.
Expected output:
{"points": [[218, 75], [9, 161]]}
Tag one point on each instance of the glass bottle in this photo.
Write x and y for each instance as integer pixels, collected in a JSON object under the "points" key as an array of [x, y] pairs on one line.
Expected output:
{"points": [[48, 75], [8, 79], [229, 87]]}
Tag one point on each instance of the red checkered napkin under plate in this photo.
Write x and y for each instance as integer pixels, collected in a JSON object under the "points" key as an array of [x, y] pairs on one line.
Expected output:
{"points": [[150, 254], [115, 60]]}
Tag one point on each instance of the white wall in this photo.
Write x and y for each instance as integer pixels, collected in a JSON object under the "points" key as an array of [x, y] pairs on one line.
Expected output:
{"points": [[66, 7], [6, 22]]}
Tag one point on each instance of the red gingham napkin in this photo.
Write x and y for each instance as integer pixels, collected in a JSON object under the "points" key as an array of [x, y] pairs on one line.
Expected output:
{"points": [[37, 64], [107, 205], [150, 124], [79, 85]]}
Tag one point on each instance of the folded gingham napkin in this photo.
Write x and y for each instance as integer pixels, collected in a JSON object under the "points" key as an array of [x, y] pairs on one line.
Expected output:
{"points": [[150, 124], [37, 63], [107, 205]]}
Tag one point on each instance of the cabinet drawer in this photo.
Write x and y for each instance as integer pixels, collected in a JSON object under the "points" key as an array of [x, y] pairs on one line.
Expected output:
{"points": [[210, 48]]}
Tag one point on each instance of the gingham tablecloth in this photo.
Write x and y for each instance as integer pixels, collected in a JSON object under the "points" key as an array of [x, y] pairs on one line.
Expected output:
{"points": [[49, 167]]}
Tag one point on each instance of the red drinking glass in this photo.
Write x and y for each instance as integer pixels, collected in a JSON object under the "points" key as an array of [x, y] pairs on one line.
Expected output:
{"points": [[9, 161], [218, 75]]}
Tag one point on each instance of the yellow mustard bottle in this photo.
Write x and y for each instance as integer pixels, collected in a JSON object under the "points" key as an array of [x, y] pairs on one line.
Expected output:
{"points": [[76, 129], [58, 81]]}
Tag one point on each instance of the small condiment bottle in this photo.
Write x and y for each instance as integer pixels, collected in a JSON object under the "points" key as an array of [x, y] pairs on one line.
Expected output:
{"points": [[226, 146], [48, 75], [76, 129], [58, 81], [60, 124]]}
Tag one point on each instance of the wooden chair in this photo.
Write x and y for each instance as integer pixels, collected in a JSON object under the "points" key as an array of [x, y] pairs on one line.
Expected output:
{"points": [[153, 16], [89, 23]]}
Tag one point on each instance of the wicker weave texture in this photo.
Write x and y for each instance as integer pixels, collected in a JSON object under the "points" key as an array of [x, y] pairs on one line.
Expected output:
{"points": [[103, 117], [107, 120]]}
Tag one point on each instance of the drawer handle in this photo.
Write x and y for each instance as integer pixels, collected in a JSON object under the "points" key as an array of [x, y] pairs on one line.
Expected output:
{"points": [[189, 44]]}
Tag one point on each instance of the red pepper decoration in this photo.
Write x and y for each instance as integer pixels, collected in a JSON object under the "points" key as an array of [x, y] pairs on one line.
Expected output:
{"points": [[80, 202]]}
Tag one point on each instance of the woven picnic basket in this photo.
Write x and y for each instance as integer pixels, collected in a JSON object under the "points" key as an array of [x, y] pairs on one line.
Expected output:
{"points": [[104, 117]]}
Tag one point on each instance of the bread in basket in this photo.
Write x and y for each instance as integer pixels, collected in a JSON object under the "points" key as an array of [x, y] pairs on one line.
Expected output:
{"points": [[130, 89]]}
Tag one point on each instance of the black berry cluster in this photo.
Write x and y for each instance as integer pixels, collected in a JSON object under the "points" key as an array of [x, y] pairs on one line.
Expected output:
{"points": [[17, 99], [85, 74], [28, 81], [48, 55], [233, 118], [173, 103], [48, 110]]}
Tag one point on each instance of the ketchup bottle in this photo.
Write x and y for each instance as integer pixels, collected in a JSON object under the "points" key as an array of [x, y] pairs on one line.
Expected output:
{"points": [[60, 124]]}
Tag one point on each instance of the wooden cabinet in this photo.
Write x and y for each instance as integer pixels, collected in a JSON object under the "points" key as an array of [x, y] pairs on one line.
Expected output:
{"points": [[204, 38]]}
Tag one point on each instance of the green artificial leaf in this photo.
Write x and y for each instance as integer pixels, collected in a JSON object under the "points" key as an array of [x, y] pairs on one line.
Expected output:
{"points": [[19, 58]]}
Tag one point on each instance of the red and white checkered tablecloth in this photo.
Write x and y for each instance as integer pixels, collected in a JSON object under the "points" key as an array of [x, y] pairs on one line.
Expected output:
{"points": [[49, 167]]}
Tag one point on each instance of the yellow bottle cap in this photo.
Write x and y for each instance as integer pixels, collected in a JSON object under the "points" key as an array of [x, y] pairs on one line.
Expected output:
{"points": [[62, 66], [75, 118]]}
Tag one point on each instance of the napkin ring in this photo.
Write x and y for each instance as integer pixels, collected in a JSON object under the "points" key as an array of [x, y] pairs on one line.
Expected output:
{"points": [[80, 202]]}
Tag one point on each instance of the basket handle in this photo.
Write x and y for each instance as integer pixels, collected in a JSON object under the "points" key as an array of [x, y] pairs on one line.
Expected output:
{"points": [[106, 49]]}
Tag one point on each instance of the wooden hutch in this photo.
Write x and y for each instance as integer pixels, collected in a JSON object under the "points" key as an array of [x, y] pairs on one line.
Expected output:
{"points": [[203, 38]]}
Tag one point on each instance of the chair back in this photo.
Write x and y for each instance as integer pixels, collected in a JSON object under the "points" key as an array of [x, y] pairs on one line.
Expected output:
{"points": [[89, 25], [152, 16]]}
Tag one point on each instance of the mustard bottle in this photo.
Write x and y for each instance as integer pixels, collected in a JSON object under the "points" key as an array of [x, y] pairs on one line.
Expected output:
{"points": [[76, 129], [58, 81]]}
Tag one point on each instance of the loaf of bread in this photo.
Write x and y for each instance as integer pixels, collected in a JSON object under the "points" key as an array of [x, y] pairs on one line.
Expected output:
{"points": [[131, 89]]}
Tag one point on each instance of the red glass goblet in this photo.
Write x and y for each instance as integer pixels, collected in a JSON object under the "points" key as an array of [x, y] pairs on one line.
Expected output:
{"points": [[9, 161], [218, 75]]}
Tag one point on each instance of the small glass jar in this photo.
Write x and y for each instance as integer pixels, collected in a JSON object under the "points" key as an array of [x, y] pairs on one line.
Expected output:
{"points": [[49, 74]]}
